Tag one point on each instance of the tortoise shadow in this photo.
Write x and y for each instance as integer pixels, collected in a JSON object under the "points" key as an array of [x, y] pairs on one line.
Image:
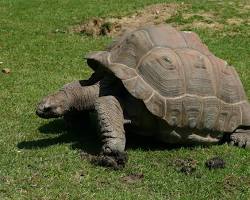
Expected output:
{"points": [[85, 138], [56, 126]]}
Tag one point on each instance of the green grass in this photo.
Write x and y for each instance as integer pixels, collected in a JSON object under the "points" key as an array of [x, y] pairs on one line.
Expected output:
{"points": [[41, 160]]}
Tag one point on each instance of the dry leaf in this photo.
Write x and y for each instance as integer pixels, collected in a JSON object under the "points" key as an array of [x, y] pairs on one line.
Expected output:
{"points": [[6, 70]]}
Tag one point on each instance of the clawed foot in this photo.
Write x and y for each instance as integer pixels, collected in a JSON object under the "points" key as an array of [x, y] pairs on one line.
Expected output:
{"points": [[241, 138], [115, 160]]}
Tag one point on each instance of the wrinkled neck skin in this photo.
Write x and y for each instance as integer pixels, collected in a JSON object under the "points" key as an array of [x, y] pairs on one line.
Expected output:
{"points": [[82, 97]]}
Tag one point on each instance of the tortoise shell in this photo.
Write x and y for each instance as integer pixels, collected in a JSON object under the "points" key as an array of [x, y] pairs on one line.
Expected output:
{"points": [[177, 78]]}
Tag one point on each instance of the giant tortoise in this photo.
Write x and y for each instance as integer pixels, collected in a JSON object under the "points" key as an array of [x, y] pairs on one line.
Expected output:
{"points": [[162, 82]]}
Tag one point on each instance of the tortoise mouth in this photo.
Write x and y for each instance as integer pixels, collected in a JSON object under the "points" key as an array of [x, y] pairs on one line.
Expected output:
{"points": [[46, 115]]}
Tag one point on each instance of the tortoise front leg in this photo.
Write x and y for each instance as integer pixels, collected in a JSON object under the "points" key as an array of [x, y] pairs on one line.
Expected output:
{"points": [[111, 120]]}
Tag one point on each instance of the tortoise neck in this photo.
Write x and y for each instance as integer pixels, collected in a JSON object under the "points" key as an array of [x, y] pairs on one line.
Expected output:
{"points": [[82, 98]]}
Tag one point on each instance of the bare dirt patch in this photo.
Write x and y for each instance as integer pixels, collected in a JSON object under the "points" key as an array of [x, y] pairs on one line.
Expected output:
{"points": [[205, 15], [243, 8], [235, 21], [154, 14], [198, 24], [181, 16]]}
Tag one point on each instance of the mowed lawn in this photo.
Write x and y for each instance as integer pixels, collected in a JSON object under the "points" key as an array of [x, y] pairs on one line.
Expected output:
{"points": [[39, 159]]}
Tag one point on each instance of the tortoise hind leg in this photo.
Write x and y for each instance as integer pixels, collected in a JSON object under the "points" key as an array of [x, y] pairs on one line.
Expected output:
{"points": [[241, 138]]}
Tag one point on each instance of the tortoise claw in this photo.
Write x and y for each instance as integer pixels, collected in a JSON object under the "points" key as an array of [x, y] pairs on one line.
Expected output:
{"points": [[115, 160]]}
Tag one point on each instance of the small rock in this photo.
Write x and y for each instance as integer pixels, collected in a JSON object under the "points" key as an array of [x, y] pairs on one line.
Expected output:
{"points": [[1, 62], [6, 70], [215, 163]]}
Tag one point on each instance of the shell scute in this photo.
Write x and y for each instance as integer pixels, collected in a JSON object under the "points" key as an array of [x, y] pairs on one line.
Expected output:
{"points": [[130, 51], [174, 113], [166, 36], [211, 111], [230, 89], [161, 69], [230, 117], [138, 88], [178, 78], [157, 105], [194, 42], [198, 71], [192, 111]]}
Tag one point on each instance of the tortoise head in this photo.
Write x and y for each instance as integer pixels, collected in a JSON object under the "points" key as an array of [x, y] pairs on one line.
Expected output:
{"points": [[53, 106]]}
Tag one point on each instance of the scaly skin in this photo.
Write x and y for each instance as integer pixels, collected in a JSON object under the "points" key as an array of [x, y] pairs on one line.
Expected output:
{"points": [[111, 123], [76, 96], [114, 105], [72, 97]]}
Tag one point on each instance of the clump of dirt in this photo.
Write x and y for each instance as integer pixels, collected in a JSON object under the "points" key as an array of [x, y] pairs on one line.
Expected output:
{"points": [[154, 14], [215, 163], [132, 178], [186, 166]]}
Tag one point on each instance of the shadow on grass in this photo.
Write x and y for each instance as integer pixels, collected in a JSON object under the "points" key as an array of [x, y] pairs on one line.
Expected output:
{"points": [[56, 126], [85, 138]]}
